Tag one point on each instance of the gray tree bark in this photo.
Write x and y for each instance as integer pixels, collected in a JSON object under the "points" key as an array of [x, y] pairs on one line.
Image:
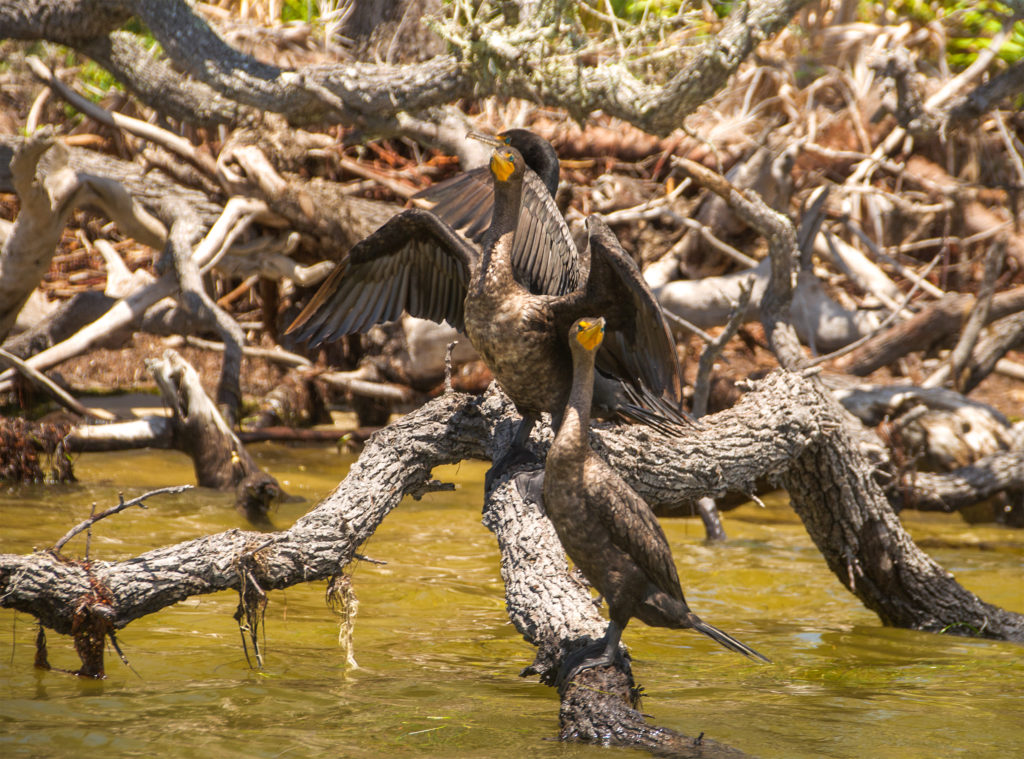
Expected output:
{"points": [[519, 61]]}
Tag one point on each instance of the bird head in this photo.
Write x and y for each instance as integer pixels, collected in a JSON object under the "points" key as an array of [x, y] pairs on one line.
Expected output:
{"points": [[504, 162], [588, 332]]}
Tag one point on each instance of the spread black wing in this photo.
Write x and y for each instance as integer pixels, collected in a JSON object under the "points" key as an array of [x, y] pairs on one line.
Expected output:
{"points": [[414, 263], [638, 343], [544, 257]]}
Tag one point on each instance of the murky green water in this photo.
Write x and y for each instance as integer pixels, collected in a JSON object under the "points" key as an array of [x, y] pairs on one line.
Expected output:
{"points": [[439, 661]]}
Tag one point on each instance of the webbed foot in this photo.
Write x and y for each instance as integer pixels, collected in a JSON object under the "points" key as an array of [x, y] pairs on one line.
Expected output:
{"points": [[514, 456], [530, 485], [589, 657]]}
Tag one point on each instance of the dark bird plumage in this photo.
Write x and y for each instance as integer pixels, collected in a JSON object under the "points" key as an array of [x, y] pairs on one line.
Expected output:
{"points": [[606, 528], [514, 290]]}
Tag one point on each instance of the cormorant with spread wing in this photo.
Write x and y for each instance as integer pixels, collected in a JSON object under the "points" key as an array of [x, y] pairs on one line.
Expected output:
{"points": [[609, 531], [514, 294]]}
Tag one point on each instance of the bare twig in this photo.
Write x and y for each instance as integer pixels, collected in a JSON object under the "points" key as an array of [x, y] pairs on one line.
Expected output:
{"points": [[702, 384], [237, 213], [977, 68], [742, 258], [1011, 149], [172, 142], [782, 244], [361, 170], [448, 366], [276, 355], [686, 324], [904, 271], [366, 381], [886, 323], [121, 506]]}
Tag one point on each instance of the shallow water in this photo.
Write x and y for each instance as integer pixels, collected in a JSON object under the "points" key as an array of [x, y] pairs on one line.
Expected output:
{"points": [[439, 661]]}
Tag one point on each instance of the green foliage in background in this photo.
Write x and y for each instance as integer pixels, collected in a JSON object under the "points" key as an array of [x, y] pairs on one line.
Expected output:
{"points": [[970, 25], [977, 22], [300, 10], [634, 10]]}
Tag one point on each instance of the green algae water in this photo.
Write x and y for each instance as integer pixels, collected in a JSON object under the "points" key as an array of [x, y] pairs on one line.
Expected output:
{"points": [[438, 660]]}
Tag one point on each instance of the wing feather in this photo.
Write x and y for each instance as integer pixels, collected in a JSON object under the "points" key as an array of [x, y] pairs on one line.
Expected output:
{"points": [[632, 525], [544, 256], [414, 262], [640, 342]]}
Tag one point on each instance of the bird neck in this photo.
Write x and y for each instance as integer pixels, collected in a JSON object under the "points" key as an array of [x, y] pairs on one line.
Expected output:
{"points": [[575, 429], [497, 254], [544, 162]]}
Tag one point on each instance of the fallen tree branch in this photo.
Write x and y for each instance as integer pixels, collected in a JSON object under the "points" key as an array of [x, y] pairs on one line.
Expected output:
{"points": [[1004, 335], [130, 309], [218, 456], [968, 485], [711, 352], [886, 323], [933, 325], [547, 69], [147, 432], [179, 146], [53, 390], [274, 355], [955, 368], [843, 508]]}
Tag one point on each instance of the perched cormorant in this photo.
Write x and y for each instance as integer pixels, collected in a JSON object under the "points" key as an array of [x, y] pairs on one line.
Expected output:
{"points": [[418, 262], [609, 531]]}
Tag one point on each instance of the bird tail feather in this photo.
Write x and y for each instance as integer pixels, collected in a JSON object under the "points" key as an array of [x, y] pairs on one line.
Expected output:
{"points": [[645, 407], [726, 640]]}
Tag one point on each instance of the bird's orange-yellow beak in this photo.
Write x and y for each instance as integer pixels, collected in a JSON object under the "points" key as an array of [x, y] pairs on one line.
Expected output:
{"points": [[486, 139], [590, 334], [502, 164]]}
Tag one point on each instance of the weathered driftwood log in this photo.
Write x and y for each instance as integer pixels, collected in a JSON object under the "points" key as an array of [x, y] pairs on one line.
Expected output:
{"points": [[1001, 472], [938, 323], [940, 427], [820, 320], [785, 428], [50, 188], [219, 458], [194, 427], [852, 523], [146, 205]]}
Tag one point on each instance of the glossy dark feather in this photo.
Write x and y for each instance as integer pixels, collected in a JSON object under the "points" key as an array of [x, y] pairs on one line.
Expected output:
{"points": [[414, 263], [544, 256]]}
